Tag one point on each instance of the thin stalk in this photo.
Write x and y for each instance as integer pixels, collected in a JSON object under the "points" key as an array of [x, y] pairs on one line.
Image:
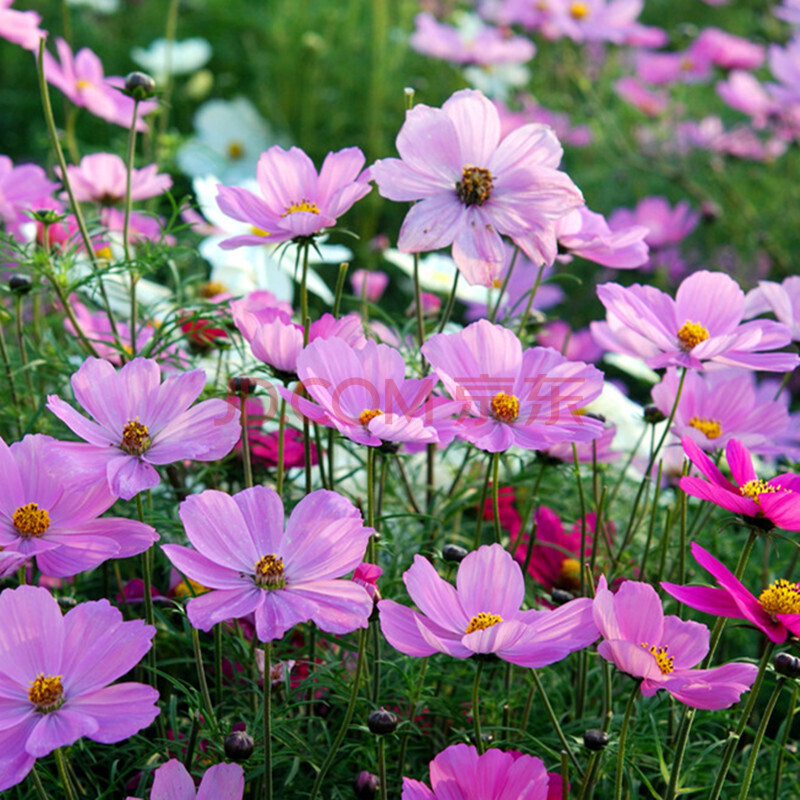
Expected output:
{"points": [[418, 308], [496, 497], [412, 711], [406, 484], [267, 720], [382, 782], [451, 301], [66, 783], [582, 502], [628, 462], [281, 435], [564, 776], [170, 32], [526, 711], [348, 716], [493, 313], [246, 458], [218, 663], [10, 378], [430, 475], [126, 223], [337, 295], [192, 741], [524, 320], [476, 710], [376, 656], [201, 677], [371, 554], [756, 746], [787, 727], [37, 782], [555, 723], [623, 735], [23, 354], [680, 749], [652, 525], [481, 503], [507, 695]]}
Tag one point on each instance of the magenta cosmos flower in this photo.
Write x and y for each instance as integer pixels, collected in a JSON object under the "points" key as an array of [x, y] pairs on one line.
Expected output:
{"points": [[22, 188], [702, 324], [45, 514], [295, 201], [473, 187], [459, 773], [54, 676], [101, 178], [776, 611], [776, 501], [220, 782], [286, 576], [363, 392], [513, 397], [142, 422], [20, 27], [661, 650], [483, 615]]}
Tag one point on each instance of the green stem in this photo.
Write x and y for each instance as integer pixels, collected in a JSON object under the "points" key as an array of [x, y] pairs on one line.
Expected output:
{"points": [[418, 307], [476, 710], [451, 300], [281, 436], [496, 497], [481, 503], [529, 306], [623, 735], [756, 746], [169, 34], [218, 663], [268, 720], [201, 677], [382, 783], [23, 355], [246, 458], [555, 723], [37, 782], [10, 378], [680, 749], [787, 727], [126, 223], [412, 712], [61, 765], [337, 295], [348, 716], [652, 525], [582, 502], [493, 313]]}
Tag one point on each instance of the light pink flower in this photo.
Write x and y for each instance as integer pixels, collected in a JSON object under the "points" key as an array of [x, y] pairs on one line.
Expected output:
{"points": [[474, 188], [631, 90], [220, 782], [666, 224], [24, 187], [782, 299], [728, 51], [641, 641], [101, 178], [369, 284], [20, 27]]}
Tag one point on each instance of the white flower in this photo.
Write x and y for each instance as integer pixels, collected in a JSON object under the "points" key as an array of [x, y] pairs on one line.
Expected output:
{"points": [[231, 135], [165, 58], [101, 6]]}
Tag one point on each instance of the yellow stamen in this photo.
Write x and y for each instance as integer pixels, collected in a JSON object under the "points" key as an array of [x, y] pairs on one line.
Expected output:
{"points": [[303, 205], [269, 572], [47, 694], [83, 84], [483, 621], [753, 489], [135, 438], [781, 597], [570, 575], [212, 288], [579, 10], [691, 334], [663, 660], [368, 414], [505, 407], [475, 186], [235, 151], [182, 590], [30, 520], [710, 427], [104, 252], [259, 231]]}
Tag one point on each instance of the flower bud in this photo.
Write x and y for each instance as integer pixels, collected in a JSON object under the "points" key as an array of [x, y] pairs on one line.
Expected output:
{"points": [[20, 284], [653, 415], [366, 785], [139, 85], [382, 722], [241, 385], [560, 596], [454, 553], [239, 746], [595, 739], [787, 664]]}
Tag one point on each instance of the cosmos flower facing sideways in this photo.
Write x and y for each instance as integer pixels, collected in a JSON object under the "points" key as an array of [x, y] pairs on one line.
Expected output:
{"points": [[220, 782], [776, 611], [286, 576], [483, 615], [142, 422], [55, 673], [473, 187], [776, 501], [661, 650]]}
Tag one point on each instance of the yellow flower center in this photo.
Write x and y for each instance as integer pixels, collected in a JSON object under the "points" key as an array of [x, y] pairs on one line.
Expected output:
{"points": [[235, 150], [570, 575], [303, 205], [183, 590], [691, 334], [30, 520], [710, 427], [47, 694], [135, 438], [269, 572], [475, 186], [753, 489], [781, 597], [579, 10], [211, 289], [259, 232], [104, 252], [368, 414], [83, 84], [505, 407], [482, 621], [663, 660]]}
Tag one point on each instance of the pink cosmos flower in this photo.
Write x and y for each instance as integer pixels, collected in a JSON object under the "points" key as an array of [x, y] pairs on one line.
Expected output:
{"points": [[101, 178], [728, 51], [295, 201], [220, 782], [45, 514], [776, 501], [576, 345], [782, 299], [459, 773], [83, 81], [141, 422], [284, 576], [667, 224], [702, 324], [689, 66], [631, 90], [720, 405], [599, 449], [54, 676], [363, 392], [661, 650], [776, 611], [24, 187], [745, 93], [473, 187], [20, 27], [369, 284], [592, 20], [483, 614], [514, 397], [533, 112]]}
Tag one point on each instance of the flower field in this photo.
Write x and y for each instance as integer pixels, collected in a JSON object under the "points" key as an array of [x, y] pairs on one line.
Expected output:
{"points": [[399, 399]]}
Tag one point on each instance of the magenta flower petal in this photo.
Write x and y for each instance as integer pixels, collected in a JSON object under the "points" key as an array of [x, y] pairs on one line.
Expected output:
{"points": [[60, 730], [715, 688], [408, 632], [208, 609], [434, 596], [120, 710], [337, 606], [171, 781], [221, 782], [493, 582]]}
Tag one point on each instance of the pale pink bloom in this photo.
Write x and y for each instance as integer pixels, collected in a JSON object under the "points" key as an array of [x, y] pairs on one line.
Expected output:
{"points": [[533, 112], [666, 224], [575, 345], [20, 27], [781, 299], [789, 12], [726, 50], [83, 81], [369, 284], [101, 178], [586, 234], [745, 93], [663, 68], [784, 63], [592, 20], [632, 91], [220, 782], [24, 187], [663, 650]]}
